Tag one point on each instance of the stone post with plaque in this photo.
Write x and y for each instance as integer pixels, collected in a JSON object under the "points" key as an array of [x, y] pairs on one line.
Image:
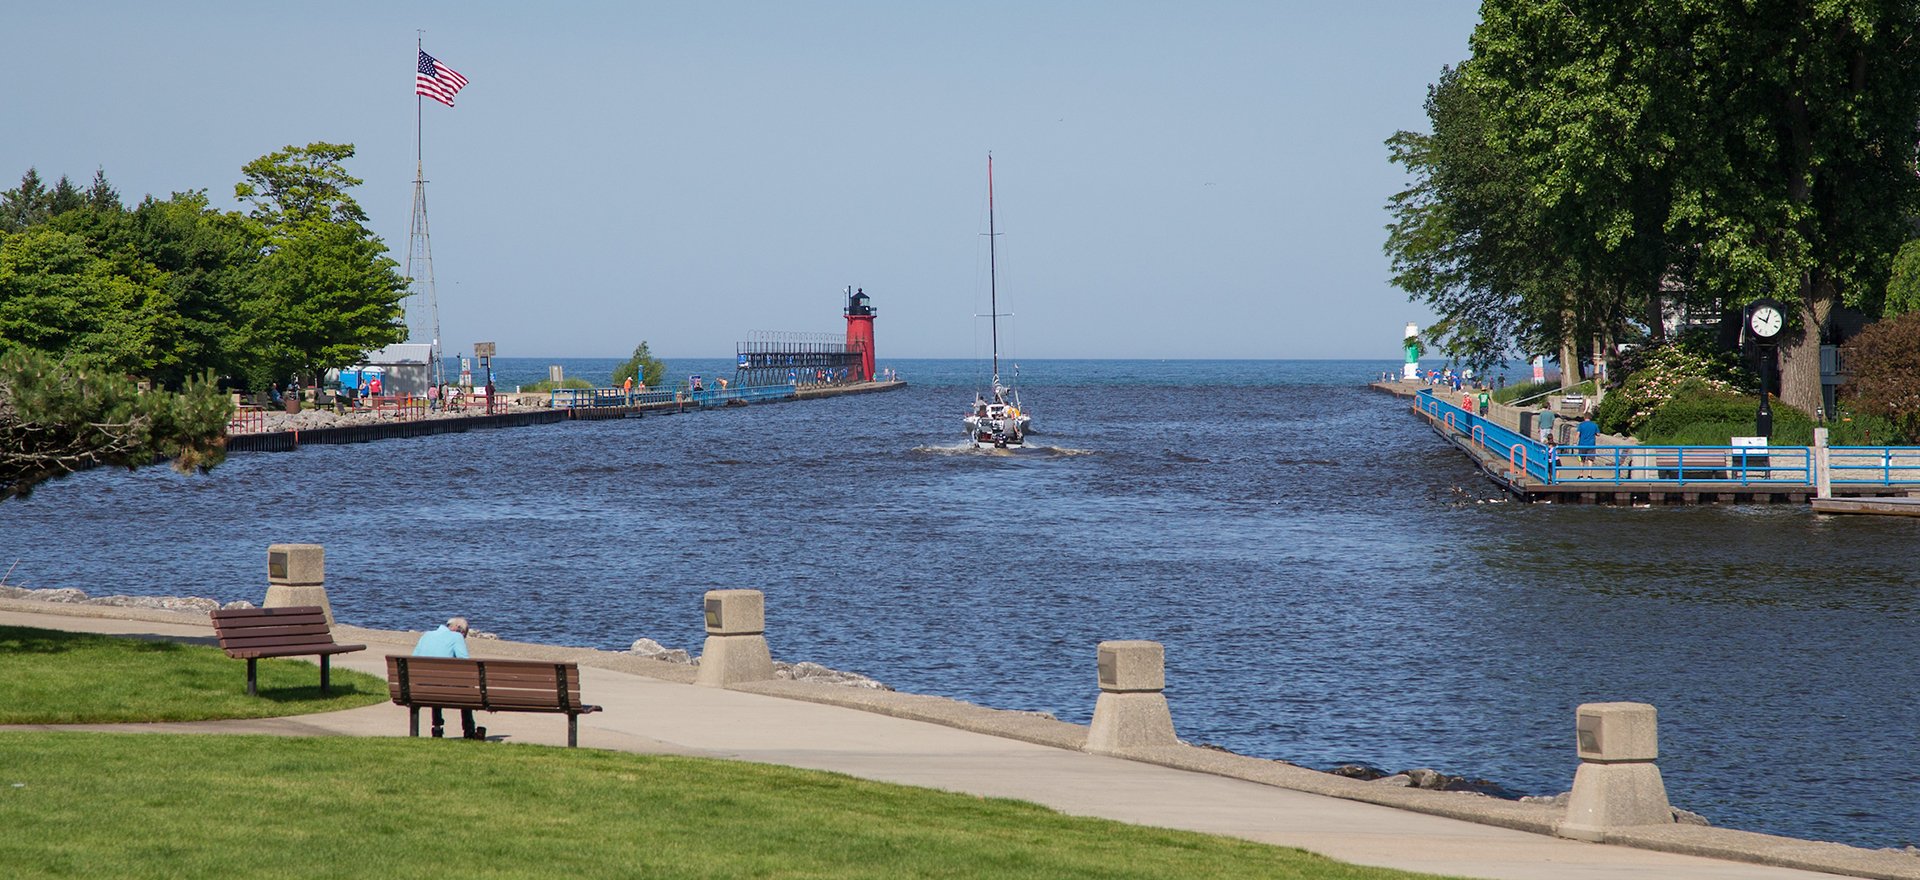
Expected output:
{"points": [[297, 575], [736, 646], [1617, 785], [1132, 710]]}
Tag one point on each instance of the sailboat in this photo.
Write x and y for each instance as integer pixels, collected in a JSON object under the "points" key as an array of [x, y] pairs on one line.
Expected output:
{"points": [[997, 422]]}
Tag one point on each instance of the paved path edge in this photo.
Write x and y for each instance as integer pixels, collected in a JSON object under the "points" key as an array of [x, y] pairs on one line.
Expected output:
{"points": [[1693, 840]]}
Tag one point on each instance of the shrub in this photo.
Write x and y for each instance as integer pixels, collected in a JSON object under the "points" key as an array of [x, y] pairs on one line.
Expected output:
{"points": [[545, 385], [1883, 364], [1656, 375], [1524, 390], [643, 368]]}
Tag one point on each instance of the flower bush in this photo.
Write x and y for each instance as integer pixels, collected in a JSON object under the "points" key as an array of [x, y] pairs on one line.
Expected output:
{"points": [[1657, 375]]}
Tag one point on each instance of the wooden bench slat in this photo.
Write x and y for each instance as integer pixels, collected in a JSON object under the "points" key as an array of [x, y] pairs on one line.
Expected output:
{"points": [[233, 624], [487, 685], [304, 651], [320, 638]]}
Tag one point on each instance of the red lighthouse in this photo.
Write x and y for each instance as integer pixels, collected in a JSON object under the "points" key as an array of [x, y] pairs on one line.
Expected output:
{"points": [[860, 332]]}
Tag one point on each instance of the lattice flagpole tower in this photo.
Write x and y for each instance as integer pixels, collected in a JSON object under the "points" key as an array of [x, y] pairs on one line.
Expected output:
{"points": [[420, 287], [420, 270]]}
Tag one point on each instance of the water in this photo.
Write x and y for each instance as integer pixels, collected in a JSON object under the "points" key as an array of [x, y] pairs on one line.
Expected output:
{"points": [[1331, 581]]}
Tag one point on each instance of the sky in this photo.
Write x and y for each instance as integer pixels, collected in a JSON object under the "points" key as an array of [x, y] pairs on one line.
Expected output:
{"points": [[1202, 179]]}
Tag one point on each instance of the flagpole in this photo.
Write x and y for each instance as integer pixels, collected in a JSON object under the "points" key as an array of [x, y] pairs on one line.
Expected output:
{"points": [[419, 244]]}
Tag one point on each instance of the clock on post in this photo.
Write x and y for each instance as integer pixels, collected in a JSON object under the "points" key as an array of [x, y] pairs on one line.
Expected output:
{"points": [[1765, 319]]}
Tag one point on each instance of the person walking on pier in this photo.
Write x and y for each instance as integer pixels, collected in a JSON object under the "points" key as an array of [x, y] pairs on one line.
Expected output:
{"points": [[1589, 437], [1486, 403]]}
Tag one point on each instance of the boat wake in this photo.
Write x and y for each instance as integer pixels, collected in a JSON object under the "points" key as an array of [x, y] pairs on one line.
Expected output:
{"points": [[1028, 451]]}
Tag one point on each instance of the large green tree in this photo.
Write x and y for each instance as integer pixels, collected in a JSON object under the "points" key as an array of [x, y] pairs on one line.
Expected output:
{"points": [[1726, 151], [324, 291], [58, 295], [1802, 172], [1466, 236]]}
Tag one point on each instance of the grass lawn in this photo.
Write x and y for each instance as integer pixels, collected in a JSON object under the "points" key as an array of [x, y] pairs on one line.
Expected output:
{"points": [[53, 677], [122, 805]]}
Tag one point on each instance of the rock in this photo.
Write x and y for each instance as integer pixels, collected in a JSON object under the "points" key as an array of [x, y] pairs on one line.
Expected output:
{"points": [[164, 603], [1362, 772], [1434, 780], [1550, 800], [61, 594], [236, 604], [809, 671], [484, 635], [653, 650], [1428, 778], [1399, 779], [1688, 817]]}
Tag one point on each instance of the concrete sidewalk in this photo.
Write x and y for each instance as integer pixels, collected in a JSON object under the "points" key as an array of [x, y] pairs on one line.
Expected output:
{"points": [[651, 707]]}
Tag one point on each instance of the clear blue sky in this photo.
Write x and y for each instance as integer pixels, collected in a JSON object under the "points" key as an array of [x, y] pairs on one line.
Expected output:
{"points": [[1196, 179]]}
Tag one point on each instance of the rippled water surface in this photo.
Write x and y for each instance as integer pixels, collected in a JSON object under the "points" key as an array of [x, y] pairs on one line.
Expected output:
{"points": [[1327, 575]]}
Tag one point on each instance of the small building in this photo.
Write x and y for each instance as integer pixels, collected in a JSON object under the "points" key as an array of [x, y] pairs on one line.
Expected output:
{"points": [[404, 368]]}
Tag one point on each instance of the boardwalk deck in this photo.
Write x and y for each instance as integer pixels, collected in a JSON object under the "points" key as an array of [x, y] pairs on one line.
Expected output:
{"points": [[1627, 475]]}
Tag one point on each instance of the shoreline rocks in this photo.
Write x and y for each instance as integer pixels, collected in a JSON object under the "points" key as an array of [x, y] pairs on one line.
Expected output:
{"points": [[802, 671], [71, 596]]}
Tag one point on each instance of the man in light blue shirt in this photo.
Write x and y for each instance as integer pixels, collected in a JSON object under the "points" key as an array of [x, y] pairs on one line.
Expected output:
{"points": [[450, 640]]}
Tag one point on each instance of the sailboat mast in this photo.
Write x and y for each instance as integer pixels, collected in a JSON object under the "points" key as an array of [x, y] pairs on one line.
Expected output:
{"points": [[993, 275]]}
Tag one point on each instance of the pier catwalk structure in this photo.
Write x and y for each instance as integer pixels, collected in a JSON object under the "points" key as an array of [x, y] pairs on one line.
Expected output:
{"points": [[776, 358], [783, 358]]}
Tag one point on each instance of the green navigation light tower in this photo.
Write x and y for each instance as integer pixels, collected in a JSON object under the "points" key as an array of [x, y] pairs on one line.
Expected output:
{"points": [[1412, 369]]}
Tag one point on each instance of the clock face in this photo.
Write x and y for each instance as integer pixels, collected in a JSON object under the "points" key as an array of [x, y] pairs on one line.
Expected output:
{"points": [[1766, 322]]}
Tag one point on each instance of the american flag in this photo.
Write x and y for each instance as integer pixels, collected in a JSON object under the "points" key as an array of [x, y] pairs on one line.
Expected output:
{"points": [[437, 81]]}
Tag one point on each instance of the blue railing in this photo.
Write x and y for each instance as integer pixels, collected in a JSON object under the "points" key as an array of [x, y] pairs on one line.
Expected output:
{"points": [[1873, 465], [1675, 465], [582, 398]]}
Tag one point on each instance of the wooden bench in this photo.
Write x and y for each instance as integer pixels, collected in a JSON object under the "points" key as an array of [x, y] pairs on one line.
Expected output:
{"points": [[1691, 464], [295, 631], [490, 685]]}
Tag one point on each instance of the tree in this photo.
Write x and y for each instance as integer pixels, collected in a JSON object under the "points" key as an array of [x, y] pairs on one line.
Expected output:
{"points": [[297, 184], [643, 368], [24, 205], [325, 294], [1466, 237], [1584, 98], [57, 295], [1903, 282], [1883, 367], [56, 419], [324, 291], [1800, 176]]}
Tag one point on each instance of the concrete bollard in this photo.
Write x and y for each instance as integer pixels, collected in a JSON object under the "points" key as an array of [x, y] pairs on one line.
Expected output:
{"points": [[1132, 710], [736, 647], [1617, 785], [297, 575]]}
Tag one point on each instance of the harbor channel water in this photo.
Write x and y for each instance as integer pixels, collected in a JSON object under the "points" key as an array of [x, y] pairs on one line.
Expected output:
{"points": [[1332, 582]]}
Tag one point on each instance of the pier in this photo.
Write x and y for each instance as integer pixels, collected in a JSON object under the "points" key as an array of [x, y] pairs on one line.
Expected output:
{"points": [[567, 405], [1639, 474]]}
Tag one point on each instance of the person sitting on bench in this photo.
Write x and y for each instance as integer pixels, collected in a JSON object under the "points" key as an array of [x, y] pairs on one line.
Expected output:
{"points": [[450, 640]]}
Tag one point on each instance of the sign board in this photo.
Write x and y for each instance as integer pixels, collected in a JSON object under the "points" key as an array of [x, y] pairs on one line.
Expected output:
{"points": [[1750, 441], [483, 349]]}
